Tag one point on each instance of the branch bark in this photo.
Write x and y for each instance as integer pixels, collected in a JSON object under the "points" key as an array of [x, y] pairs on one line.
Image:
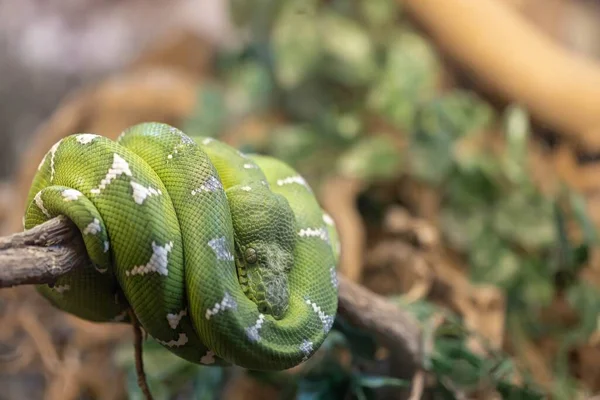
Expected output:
{"points": [[44, 253]]}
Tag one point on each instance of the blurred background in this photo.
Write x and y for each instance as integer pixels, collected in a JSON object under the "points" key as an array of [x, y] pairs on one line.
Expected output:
{"points": [[456, 146]]}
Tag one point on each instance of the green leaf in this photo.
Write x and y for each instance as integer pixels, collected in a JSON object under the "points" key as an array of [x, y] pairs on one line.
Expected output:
{"points": [[371, 158], [257, 16], [585, 298], [462, 227], [248, 90], [492, 261], [293, 143], [457, 113], [525, 218], [210, 113], [296, 43], [375, 382], [512, 392], [409, 77], [380, 14], [563, 253], [536, 289], [517, 133], [577, 202], [350, 54], [310, 102], [429, 159]]}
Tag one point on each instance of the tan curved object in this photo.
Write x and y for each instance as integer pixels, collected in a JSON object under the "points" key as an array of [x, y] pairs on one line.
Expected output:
{"points": [[514, 59], [150, 94]]}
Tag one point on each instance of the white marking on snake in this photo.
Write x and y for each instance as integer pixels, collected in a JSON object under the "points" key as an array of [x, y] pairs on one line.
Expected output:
{"points": [[61, 288], [106, 246], [306, 347], [320, 233], [120, 317], [174, 319], [86, 138], [23, 220], [219, 246], [246, 188], [326, 320], [296, 179], [170, 156], [227, 303], [119, 167], [208, 358], [183, 339], [42, 162], [252, 332], [212, 184], [40, 203], [250, 166], [185, 139], [207, 140], [328, 220], [140, 192], [93, 227], [101, 270], [333, 276], [52, 154], [71, 194], [158, 261]]}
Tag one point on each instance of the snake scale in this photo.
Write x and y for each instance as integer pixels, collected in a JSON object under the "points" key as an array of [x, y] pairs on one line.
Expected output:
{"points": [[224, 257]]}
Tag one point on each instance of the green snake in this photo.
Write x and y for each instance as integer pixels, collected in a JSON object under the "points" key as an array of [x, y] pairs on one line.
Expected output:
{"points": [[224, 257]]}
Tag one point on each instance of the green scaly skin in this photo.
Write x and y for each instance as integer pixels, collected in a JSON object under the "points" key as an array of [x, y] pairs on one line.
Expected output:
{"points": [[225, 258]]}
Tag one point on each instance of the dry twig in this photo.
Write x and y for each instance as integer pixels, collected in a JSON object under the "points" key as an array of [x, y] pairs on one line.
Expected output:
{"points": [[139, 357]]}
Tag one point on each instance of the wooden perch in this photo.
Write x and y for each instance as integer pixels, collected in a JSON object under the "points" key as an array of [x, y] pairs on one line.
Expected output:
{"points": [[44, 253], [513, 58]]}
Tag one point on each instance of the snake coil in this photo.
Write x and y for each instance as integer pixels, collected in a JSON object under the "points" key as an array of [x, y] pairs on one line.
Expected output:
{"points": [[225, 258]]}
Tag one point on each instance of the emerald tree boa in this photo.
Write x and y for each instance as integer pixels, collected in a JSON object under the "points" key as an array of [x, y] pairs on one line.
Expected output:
{"points": [[224, 257]]}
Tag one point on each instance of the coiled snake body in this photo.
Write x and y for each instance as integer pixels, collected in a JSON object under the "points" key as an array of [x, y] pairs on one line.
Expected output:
{"points": [[225, 258]]}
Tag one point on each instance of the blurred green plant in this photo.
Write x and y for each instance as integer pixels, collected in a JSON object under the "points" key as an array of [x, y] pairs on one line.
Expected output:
{"points": [[361, 93]]}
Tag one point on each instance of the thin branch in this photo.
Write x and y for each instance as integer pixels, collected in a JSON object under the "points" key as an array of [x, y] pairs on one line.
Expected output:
{"points": [[44, 253], [396, 328], [139, 356]]}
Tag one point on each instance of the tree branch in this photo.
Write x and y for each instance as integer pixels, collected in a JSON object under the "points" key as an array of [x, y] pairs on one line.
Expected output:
{"points": [[41, 254], [510, 56], [44, 253]]}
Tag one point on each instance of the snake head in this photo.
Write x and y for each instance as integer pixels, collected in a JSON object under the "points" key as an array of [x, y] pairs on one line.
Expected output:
{"points": [[264, 233]]}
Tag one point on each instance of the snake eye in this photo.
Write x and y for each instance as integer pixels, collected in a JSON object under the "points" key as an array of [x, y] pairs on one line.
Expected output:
{"points": [[263, 309], [250, 255]]}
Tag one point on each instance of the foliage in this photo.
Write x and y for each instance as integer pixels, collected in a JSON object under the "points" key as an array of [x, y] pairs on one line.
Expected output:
{"points": [[361, 93]]}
